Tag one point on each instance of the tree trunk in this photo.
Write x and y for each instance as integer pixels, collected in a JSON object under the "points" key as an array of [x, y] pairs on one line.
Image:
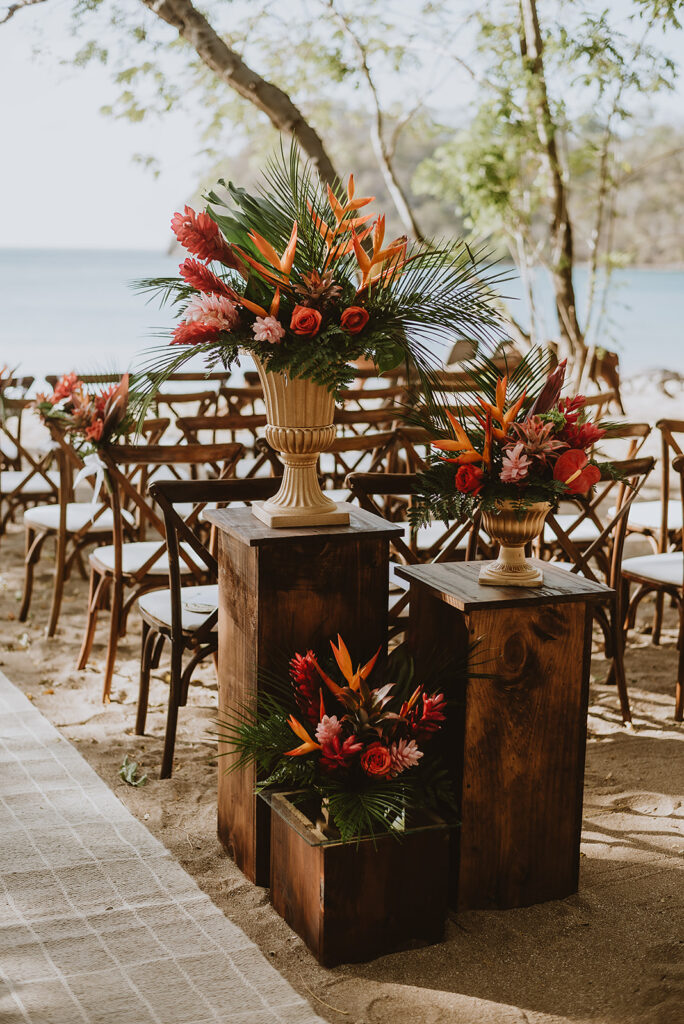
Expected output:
{"points": [[231, 69], [562, 255]]}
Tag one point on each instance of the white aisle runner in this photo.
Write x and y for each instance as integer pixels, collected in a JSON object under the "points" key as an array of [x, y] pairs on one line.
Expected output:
{"points": [[98, 923]]}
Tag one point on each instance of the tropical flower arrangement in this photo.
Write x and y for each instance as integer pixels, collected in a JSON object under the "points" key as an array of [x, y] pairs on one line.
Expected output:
{"points": [[301, 276], [91, 419], [516, 440], [363, 751]]}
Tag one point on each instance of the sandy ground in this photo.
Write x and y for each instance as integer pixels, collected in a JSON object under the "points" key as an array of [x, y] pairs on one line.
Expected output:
{"points": [[612, 953]]}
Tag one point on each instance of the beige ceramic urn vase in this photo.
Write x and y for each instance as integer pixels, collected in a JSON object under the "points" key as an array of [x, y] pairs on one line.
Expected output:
{"points": [[513, 529], [299, 426]]}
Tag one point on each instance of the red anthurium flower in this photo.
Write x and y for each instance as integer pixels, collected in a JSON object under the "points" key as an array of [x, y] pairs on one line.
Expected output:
{"points": [[575, 471]]}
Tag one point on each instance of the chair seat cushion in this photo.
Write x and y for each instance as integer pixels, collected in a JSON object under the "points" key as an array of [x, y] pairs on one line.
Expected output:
{"points": [[8, 447], [135, 555], [667, 568], [647, 514], [584, 533], [196, 604], [12, 478], [78, 515]]}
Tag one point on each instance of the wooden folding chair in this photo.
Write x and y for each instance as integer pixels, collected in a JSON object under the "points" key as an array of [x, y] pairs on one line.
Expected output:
{"points": [[185, 616], [245, 428], [600, 558], [239, 400], [142, 565]]}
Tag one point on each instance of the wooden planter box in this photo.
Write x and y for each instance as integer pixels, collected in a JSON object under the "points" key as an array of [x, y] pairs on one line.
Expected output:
{"points": [[355, 901]]}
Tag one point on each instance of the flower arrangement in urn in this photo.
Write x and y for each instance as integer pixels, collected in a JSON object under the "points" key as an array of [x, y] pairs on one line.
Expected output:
{"points": [[362, 751], [514, 450], [302, 277], [90, 418]]}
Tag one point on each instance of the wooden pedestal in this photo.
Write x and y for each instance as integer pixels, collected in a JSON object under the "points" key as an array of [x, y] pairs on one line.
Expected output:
{"points": [[283, 591], [352, 902], [517, 739]]}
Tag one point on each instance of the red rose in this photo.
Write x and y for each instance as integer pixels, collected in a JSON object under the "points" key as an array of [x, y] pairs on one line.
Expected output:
{"points": [[305, 320], [469, 479], [575, 471], [354, 319], [376, 760]]}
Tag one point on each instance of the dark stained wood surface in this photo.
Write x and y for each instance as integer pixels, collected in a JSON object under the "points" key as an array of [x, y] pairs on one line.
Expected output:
{"points": [[352, 902], [516, 736], [456, 583], [244, 526], [278, 596]]}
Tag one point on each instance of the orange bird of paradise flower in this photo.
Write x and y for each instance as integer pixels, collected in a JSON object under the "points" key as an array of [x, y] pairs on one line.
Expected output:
{"points": [[498, 413], [462, 443], [372, 265], [307, 746], [343, 659], [337, 245]]}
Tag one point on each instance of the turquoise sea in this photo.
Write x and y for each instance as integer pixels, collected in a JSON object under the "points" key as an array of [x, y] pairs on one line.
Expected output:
{"points": [[72, 309]]}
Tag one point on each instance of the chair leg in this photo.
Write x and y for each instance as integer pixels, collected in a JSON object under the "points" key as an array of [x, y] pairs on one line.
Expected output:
{"points": [[658, 616], [32, 549], [618, 669], [144, 689], [679, 691], [95, 594], [57, 585], [175, 701], [116, 604]]}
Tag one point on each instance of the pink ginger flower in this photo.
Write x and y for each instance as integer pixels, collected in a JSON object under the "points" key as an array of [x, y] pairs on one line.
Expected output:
{"points": [[339, 754], [267, 328], [200, 235], [515, 465], [204, 280], [194, 332], [404, 754], [213, 310], [328, 728]]}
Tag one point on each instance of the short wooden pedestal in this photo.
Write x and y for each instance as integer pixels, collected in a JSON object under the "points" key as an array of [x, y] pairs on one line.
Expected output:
{"points": [[355, 901], [283, 591], [517, 743]]}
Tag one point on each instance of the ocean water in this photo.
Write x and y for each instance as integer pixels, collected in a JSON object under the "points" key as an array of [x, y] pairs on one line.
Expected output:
{"points": [[72, 309]]}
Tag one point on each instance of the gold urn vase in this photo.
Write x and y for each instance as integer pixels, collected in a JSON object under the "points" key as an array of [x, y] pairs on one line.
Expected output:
{"points": [[513, 529], [300, 425]]}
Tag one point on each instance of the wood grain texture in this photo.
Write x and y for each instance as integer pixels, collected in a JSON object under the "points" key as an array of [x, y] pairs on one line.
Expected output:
{"points": [[245, 527], [275, 598], [456, 584], [352, 902]]}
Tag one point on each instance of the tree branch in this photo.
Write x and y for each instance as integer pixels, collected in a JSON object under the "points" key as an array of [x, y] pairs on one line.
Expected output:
{"points": [[13, 8], [231, 69]]}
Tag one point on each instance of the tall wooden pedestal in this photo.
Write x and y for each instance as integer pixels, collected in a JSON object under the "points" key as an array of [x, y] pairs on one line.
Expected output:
{"points": [[283, 591], [517, 738]]}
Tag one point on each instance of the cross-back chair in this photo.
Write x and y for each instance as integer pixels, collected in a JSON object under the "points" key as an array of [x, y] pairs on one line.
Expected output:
{"points": [[185, 617], [660, 520], [74, 525], [176, 404], [237, 400], [356, 422], [437, 542], [244, 428], [142, 565], [663, 574], [34, 478], [600, 558], [12, 388]]}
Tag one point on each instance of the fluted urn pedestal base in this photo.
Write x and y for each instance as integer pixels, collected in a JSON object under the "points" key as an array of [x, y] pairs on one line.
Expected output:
{"points": [[300, 426], [513, 530]]}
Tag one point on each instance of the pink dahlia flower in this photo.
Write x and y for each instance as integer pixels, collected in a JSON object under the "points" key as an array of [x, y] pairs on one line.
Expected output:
{"points": [[515, 466], [328, 728], [404, 754], [267, 328], [213, 310]]}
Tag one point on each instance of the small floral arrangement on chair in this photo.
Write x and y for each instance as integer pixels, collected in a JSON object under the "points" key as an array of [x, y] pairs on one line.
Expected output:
{"points": [[299, 275], [90, 419], [363, 751], [515, 440]]}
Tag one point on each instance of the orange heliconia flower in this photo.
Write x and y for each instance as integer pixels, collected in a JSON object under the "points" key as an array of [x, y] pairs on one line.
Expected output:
{"points": [[462, 444], [498, 412], [379, 263]]}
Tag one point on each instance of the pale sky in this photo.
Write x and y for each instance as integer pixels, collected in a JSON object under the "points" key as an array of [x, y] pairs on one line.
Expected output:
{"points": [[67, 178]]}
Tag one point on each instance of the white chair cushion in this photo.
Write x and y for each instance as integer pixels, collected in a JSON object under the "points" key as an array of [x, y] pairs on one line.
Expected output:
{"points": [[647, 514], [12, 478], [196, 604], [8, 448], [78, 515], [584, 533], [668, 568], [135, 555], [431, 534]]}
